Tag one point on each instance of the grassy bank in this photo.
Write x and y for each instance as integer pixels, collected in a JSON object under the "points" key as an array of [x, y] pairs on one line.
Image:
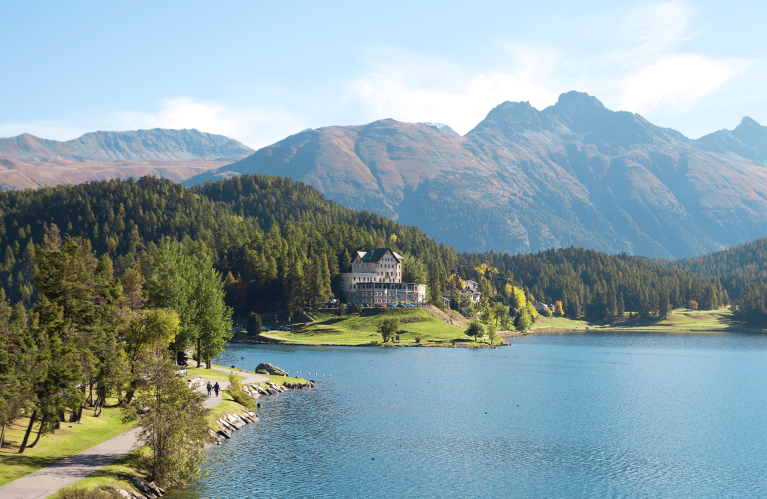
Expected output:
{"points": [[70, 439], [432, 326], [678, 321]]}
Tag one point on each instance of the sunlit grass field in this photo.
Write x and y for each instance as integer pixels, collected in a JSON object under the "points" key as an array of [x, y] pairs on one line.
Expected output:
{"points": [[362, 329], [51, 448], [679, 320]]}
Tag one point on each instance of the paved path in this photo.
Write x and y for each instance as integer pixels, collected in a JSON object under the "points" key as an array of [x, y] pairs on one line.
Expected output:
{"points": [[47, 481]]}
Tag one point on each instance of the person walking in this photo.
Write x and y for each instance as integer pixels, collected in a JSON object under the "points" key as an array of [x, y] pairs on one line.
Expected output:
{"points": [[216, 388], [209, 387]]}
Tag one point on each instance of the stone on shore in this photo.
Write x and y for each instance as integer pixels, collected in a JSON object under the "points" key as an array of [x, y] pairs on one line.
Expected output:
{"points": [[270, 369]]}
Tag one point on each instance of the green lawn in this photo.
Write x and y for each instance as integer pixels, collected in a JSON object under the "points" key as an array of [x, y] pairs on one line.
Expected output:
{"points": [[558, 323], [687, 320], [362, 329], [212, 374], [70, 439], [679, 320]]}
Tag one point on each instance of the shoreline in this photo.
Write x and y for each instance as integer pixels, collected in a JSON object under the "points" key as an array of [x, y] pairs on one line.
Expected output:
{"points": [[553, 330], [462, 344]]}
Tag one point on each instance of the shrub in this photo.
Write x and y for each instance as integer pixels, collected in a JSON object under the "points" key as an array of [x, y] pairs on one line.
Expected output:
{"points": [[692, 305], [235, 382], [387, 328], [242, 398], [418, 339]]}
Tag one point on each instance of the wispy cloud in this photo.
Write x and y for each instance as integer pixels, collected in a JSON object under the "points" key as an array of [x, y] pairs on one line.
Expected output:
{"points": [[677, 81], [655, 72], [253, 126], [411, 87], [653, 29], [642, 69]]}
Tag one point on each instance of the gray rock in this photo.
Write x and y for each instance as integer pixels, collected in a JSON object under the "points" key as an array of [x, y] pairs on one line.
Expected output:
{"points": [[143, 487], [273, 370]]}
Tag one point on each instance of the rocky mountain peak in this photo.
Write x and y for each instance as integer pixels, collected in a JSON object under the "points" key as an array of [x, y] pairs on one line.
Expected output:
{"points": [[747, 122]]}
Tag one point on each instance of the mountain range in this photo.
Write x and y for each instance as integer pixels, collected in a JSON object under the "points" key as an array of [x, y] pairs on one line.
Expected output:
{"points": [[572, 174], [27, 161]]}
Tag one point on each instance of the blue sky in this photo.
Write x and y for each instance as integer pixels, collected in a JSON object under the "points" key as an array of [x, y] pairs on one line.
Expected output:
{"points": [[258, 71]]}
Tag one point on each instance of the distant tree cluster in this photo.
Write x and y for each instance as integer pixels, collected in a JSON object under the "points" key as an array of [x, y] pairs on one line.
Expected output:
{"points": [[587, 283]]}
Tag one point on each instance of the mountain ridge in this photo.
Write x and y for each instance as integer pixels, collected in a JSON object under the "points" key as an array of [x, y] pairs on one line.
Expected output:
{"points": [[523, 179], [158, 144], [29, 162]]}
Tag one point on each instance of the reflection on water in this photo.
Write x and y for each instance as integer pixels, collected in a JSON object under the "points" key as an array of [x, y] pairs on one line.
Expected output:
{"points": [[638, 415]]}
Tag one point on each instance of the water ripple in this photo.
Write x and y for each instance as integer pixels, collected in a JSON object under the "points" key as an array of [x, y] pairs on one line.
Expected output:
{"points": [[554, 416]]}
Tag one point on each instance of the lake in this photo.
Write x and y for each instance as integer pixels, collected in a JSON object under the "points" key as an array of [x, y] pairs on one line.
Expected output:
{"points": [[576, 415]]}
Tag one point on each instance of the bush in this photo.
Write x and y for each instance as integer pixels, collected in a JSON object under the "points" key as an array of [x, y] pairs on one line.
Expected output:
{"points": [[235, 382], [546, 312], [387, 328], [418, 339], [254, 323], [242, 398]]}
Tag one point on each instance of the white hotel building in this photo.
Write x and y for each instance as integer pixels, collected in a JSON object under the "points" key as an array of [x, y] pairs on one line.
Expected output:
{"points": [[376, 278]]}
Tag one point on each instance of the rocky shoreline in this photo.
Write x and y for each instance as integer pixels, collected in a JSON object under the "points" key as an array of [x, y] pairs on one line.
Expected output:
{"points": [[227, 424]]}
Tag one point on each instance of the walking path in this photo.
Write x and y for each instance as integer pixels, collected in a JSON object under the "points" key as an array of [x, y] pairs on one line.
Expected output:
{"points": [[47, 481]]}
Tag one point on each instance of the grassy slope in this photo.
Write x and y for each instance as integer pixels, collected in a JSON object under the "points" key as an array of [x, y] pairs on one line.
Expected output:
{"points": [[70, 439], [359, 330], [679, 320]]}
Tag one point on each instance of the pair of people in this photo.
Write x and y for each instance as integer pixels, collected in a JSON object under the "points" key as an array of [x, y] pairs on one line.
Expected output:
{"points": [[215, 388]]}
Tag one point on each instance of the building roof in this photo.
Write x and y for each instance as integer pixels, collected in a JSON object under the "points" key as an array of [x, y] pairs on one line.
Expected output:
{"points": [[375, 255]]}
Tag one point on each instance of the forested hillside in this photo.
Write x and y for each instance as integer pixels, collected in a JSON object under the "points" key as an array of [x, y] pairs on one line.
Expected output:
{"points": [[749, 260], [281, 243], [292, 227], [596, 284], [743, 273]]}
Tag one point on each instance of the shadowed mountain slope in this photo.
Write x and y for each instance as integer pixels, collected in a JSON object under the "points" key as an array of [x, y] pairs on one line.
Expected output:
{"points": [[575, 173]]}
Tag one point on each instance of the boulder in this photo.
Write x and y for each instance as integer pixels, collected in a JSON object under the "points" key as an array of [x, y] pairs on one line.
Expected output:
{"points": [[262, 371], [143, 487], [154, 488], [273, 370]]}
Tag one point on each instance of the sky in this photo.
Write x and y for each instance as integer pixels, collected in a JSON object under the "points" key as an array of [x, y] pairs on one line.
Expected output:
{"points": [[260, 71]]}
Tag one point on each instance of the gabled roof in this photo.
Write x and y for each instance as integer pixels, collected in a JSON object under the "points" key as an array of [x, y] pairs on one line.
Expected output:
{"points": [[375, 255]]}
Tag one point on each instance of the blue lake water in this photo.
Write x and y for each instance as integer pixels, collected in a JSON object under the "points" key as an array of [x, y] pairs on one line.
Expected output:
{"points": [[577, 415]]}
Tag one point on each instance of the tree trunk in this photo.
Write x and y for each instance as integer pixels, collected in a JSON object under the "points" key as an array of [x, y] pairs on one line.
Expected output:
{"points": [[2, 437], [199, 352], [29, 430], [42, 425], [77, 414], [90, 396], [128, 393]]}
